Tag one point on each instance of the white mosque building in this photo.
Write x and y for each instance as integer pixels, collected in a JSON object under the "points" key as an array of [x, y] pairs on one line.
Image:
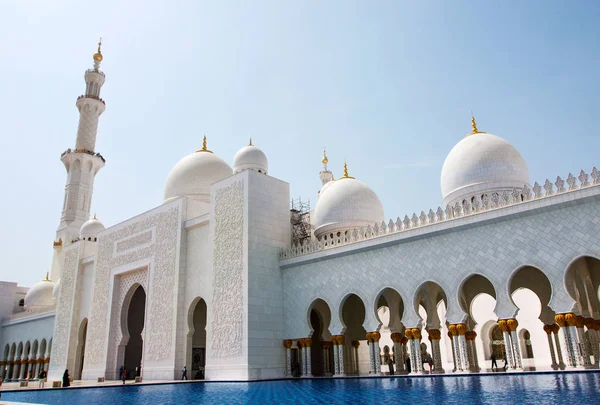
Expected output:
{"points": [[222, 277]]}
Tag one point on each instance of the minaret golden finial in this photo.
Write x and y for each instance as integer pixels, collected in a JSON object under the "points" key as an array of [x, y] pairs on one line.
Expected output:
{"points": [[325, 160], [474, 127], [98, 55], [250, 144], [204, 149]]}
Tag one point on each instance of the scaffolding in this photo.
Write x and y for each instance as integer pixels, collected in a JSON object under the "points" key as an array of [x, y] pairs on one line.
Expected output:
{"points": [[300, 219]]}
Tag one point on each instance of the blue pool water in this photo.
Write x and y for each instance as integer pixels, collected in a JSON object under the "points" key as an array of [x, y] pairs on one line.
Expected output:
{"points": [[571, 388]]}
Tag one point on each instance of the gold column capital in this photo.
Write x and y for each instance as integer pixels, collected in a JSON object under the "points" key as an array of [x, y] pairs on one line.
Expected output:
{"points": [[512, 324], [287, 344], [396, 337]]}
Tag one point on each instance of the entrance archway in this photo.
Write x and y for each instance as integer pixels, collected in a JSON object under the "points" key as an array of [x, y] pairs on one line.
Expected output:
{"points": [[81, 337], [497, 342], [197, 338], [133, 327]]}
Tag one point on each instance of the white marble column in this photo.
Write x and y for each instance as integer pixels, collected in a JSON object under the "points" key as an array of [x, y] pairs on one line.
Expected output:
{"points": [[461, 328], [584, 344], [336, 359], [456, 350], [376, 351], [559, 355], [302, 356], [398, 352], [371, 355], [590, 324], [565, 342], [416, 348], [512, 325], [451, 337], [472, 351], [356, 345], [341, 354], [308, 344], [434, 337], [508, 347], [548, 330]]}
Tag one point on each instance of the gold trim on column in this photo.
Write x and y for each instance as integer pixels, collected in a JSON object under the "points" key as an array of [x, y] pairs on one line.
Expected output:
{"points": [[512, 324], [287, 344], [396, 337]]}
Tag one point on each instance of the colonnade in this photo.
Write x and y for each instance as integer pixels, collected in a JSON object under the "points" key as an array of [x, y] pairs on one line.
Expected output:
{"points": [[23, 368], [574, 342]]}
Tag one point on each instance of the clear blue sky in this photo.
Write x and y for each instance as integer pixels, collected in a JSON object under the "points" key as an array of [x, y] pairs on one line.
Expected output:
{"points": [[388, 85]]}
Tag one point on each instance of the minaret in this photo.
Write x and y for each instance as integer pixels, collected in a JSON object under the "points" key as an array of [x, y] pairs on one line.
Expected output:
{"points": [[82, 163], [325, 175]]}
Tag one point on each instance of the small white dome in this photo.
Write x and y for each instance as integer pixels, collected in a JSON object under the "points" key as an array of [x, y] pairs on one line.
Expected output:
{"points": [[56, 290], [193, 175], [250, 158], [40, 295], [345, 204], [91, 229], [482, 163]]}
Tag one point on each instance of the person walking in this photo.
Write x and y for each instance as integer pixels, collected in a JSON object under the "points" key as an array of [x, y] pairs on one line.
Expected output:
{"points": [[494, 364], [505, 363], [66, 378], [42, 378], [123, 375], [184, 373]]}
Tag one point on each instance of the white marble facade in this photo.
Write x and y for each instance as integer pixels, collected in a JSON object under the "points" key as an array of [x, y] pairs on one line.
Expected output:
{"points": [[210, 279]]}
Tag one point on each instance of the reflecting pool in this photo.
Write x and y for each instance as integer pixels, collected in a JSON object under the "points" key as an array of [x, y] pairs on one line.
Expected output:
{"points": [[551, 388]]}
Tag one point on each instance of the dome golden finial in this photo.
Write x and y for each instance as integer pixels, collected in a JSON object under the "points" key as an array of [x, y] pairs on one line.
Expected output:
{"points": [[250, 144], [325, 160], [346, 172], [474, 126], [204, 149], [98, 55], [95, 216], [47, 276]]}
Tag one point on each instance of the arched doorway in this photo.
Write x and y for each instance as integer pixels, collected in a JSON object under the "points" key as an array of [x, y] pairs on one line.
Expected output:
{"points": [[497, 343], [134, 325], [319, 318], [353, 315], [530, 290], [197, 335], [526, 346], [5, 360], [81, 337]]}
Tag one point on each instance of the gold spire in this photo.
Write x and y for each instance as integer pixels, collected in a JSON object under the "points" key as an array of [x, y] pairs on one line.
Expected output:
{"points": [[95, 216], [474, 127], [250, 144], [98, 55], [204, 146], [47, 278], [325, 160], [346, 172]]}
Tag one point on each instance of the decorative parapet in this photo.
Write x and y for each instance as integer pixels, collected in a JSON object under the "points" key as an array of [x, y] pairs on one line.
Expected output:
{"points": [[476, 205], [91, 96]]}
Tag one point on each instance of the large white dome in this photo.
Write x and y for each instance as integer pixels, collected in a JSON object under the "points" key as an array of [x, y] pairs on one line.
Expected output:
{"points": [[193, 175], [482, 163], [40, 295], [346, 203], [250, 158], [91, 229]]}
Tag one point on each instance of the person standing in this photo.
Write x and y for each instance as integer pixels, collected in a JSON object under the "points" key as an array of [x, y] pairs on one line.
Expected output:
{"points": [[66, 378], [42, 378], [123, 375], [1, 387], [184, 373], [494, 364]]}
